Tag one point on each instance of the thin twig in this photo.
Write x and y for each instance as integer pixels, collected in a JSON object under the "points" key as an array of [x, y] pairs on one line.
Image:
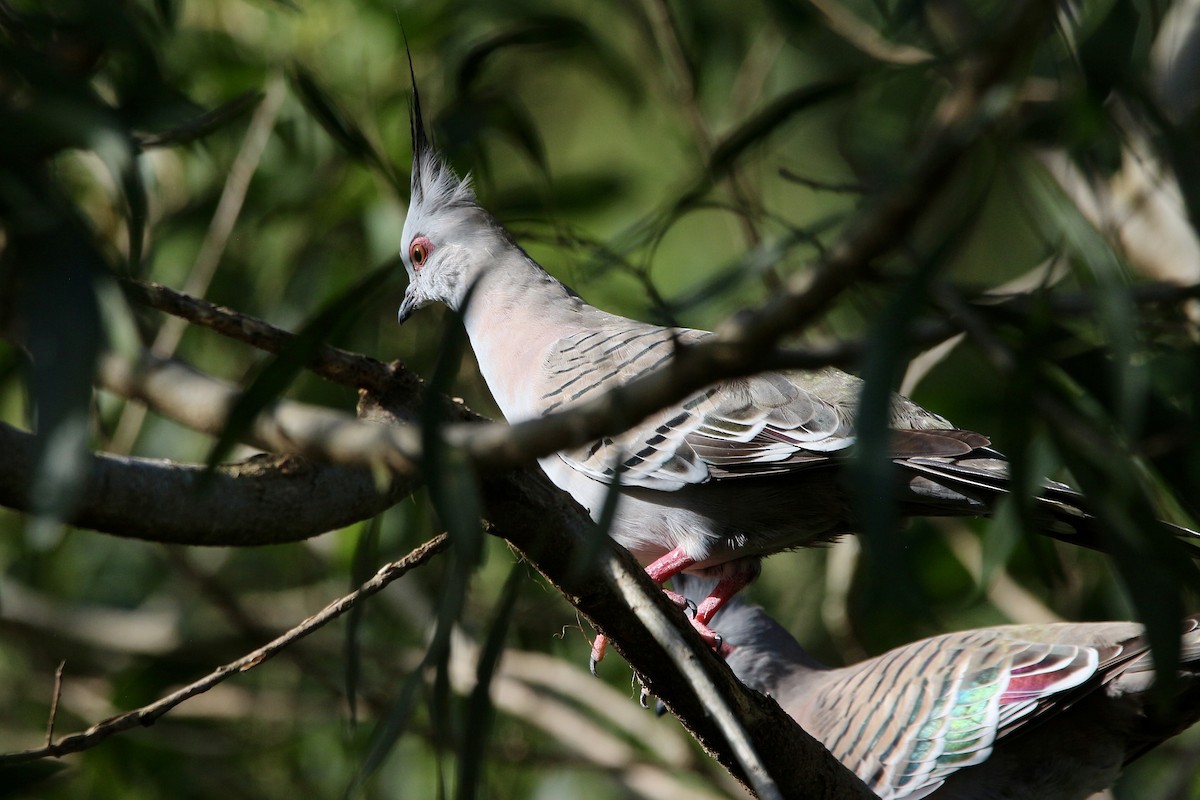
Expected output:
{"points": [[360, 371], [229, 206], [58, 676], [201, 402], [858, 33], [823, 186], [665, 633], [149, 714], [332, 363]]}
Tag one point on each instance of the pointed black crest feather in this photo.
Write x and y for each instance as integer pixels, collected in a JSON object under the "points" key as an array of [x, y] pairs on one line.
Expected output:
{"points": [[434, 185], [420, 141]]}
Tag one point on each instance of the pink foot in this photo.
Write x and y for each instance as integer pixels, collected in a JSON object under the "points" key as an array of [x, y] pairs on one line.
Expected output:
{"points": [[668, 567], [675, 597]]}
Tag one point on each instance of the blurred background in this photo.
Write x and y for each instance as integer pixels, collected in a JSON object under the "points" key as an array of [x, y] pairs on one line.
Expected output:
{"points": [[671, 161]]}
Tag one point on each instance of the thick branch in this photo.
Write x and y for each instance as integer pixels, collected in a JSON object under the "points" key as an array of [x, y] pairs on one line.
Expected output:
{"points": [[203, 403], [266, 500], [551, 530]]}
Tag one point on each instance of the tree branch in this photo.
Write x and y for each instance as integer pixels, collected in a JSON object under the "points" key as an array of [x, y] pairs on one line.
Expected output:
{"points": [[332, 363], [549, 528], [203, 403], [149, 714], [266, 500]]}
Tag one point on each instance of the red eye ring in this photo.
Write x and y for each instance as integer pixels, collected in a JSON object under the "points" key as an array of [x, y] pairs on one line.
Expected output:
{"points": [[419, 252]]}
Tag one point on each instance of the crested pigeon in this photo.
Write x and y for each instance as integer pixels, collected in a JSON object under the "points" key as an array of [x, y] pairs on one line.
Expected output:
{"points": [[742, 469], [1020, 712]]}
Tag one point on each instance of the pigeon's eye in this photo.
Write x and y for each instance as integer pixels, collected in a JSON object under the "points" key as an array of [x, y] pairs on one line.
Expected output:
{"points": [[419, 252]]}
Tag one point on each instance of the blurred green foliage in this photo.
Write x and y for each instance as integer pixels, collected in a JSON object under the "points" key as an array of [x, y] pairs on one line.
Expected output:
{"points": [[668, 160]]}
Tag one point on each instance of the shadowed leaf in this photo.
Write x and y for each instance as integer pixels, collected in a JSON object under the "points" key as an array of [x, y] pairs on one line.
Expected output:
{"points": [[198, 127], [366, 555], [480, 711], [455, 495], [337, 123]]}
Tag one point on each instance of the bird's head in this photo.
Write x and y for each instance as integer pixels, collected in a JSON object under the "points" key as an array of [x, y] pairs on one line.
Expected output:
{"points": [[448, 241], [443, 245]]}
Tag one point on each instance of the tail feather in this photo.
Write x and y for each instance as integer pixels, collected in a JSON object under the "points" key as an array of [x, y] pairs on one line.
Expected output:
{"points": [[964, 486]]}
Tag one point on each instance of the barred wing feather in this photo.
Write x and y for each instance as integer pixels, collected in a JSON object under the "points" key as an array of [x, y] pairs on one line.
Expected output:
{"points": [[761, 425], [939, 705]]}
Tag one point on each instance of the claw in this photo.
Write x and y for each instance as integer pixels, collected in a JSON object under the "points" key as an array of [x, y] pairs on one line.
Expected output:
{"points": [[644, 699], [599, 644], [681, 601], [710, 637]]}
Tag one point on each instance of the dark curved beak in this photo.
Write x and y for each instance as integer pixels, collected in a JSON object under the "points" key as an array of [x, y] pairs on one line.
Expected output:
{"points": [[407, 307]]}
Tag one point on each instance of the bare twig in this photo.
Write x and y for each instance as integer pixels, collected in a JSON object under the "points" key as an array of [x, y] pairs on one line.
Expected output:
{"points": [[58, 676], [150, 713], [229, 206], [204, 403], [731, 726], [821, 186], [331, 363], [858, 33]]}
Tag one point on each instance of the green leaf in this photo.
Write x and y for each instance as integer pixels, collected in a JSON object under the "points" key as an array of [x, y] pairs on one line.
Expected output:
{"points": [[871, 471], [55, 267], [366, 555], [588, 553], [766, 121], [1155, 569], [567, 35], [454, 493], [480, 710], [464, 125], [197, 127], [337, 123]]}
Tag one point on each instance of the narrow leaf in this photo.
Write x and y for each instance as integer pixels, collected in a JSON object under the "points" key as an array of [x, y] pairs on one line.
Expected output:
{"points": [[480, 710]]}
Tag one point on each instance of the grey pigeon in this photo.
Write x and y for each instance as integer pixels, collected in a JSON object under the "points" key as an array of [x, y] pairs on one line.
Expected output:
{"points": [[742, 469], [1019, 712]]}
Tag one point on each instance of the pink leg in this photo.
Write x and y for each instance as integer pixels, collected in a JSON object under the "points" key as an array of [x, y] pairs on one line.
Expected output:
{"points": [[669, 566], [726, 588], [662, 570]]}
